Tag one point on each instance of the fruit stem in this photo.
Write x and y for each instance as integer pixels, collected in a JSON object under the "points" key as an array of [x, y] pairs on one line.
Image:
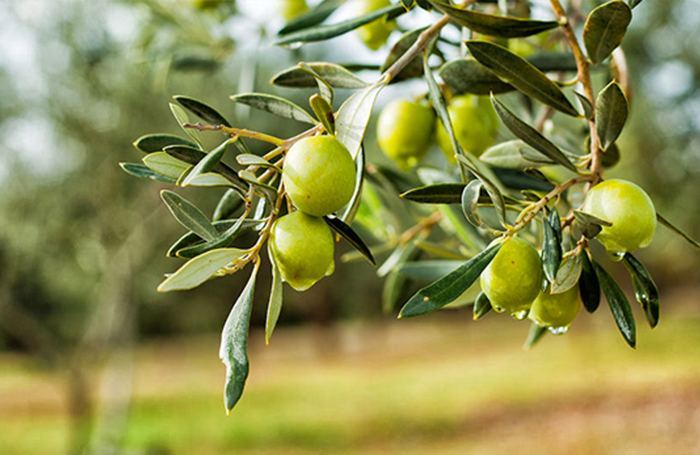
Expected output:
{"points": [[584, 76]]}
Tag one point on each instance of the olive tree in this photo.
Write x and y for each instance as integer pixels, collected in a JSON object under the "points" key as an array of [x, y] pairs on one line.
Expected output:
{"points": [[526, 102]]}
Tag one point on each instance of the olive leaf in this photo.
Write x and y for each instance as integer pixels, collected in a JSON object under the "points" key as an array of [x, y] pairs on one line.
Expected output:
{"points": [[482, 305], [314, 16], [199, 269], [415, 67], [466, 75], [275, 105], [514, 154], [645, 290], [184, 246], [233, 351], [229, 202], [534, 335], [183, 119], [491, 188], [439, 193], [611, 114], [274, 304], [429, 270], [677, 230], [619, 306], [448, 288], [201, 110], [605, 28], [503, 26], [164, 164], [142, 171], [223, 239], [206, 164], [350, 235], [568, 274], [324, 112], [188, 215], [521, 74], [193, 156], [531, 136], [551, 246], [354, 204], [470, 201], [589, 225], [353, 117], [150, 143], [588, 285], [335, 75]]}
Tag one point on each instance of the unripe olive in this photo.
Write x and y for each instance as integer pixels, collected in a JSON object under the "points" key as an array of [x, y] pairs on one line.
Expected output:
{"points": [[513, 278], [206, 4], [303, 249], [628, 208], [292, 9], [404, 130], [319, 175], [375, 33], [557, 311], [475, 125]]}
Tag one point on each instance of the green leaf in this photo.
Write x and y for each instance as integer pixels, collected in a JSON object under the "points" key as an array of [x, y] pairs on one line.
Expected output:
{"points": [[350, 235], [208, 179], [429, 270], [227, 205], [164, 164], [275, 105], [324, 112], [482, 305], [142, 171], [314, 16], [586, 105], [611, 114], [189, 239], [448, 288], [326, 32], [223, 239], [415, 67], [201, 110], [470, 202], [234, 344], [531, 179], [605, 28], [199, 269], [248, 159], [521, 74], [494, 193], [274, 303], [353, 117], [568, 275], [182, 119], [531, 136], [588, 285], [677, 230], [439, 193], [206, 164], [645, 290], [503, 26], [619, 306], [189, 215], [466, 75], [551, 245], [535, 335], [193, 156], [157, 142], [514, 154], [350, 210], [589, 225], [334, 74]]}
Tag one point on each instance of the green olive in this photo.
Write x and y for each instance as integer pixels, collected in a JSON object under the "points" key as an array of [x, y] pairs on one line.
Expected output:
{"points": [[628, 208], [475, 125], [513, 278], [557, 311], [374, 34], [291, 9], [404, 130], [319, 175], [303, 249], [206, 4]]}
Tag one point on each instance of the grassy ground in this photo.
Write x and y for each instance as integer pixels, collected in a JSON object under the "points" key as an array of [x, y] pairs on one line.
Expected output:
{"points": [[437, 385]]}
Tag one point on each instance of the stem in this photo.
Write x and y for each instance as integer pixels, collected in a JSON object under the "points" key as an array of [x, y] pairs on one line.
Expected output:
{"points": [[238, 132], [584, 76]]}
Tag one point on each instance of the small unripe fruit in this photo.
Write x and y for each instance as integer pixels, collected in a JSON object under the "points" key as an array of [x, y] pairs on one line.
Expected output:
{"points": [[319, 175], [628, 208], [475, 125], [303, 249], [374, 34], [557, 311], [292, 9], [513, 278], [404, 130]]}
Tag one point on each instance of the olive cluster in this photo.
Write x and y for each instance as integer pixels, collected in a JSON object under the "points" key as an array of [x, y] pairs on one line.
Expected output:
{"points": [[319, 179]]}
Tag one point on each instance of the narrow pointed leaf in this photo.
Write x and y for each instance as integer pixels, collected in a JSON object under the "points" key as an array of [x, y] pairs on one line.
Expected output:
{"points": [[324, 112], [448, 288], [521, 74], [619, 306], [353, 117], [182, 119], [350, 235], [466, 75], [193, 156], [234, 344], [439, 193], [142, 171], [534, 335], [351, 209], [274, 303], [515, 154], [531, 136], [413, 69], [164, 164], [314, 16], [199, 269], [429, 270], [206, 164], [157, 142], [227, 205], [487, 24], [645, 290], [677, 230], [568, 275], [611, 114], [551, 246], [605, 28], [588, 285], [189, 215], [201, 110], [335, 75], [490, 187], [470, 201], [482, 306], [275, 105]]}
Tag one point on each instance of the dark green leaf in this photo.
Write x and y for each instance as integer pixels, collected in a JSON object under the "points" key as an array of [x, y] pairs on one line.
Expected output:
{"points": [[274, 304], [234, 344], [325, 32], [314, 16], [191, 239], [223, 239], [619, 306], [588, 285], [503, 26], [206, 164], [551, 246], [466, 75], [274, 105], [677, 230], [350, 235], [531, 136], [535, 335], [201, 110], [439, 193], [429, 270], [514, 154], [519, 180], [334, 74], [189, 215], [611, 114], [156, 142], [490, 187], [553, 62], [605, 28], [448, 288], [590, 225], [521, 74], [193, 156], [568, 275], [645, 290], [324, 112], [142, 171], [164, 164], [415, 67], [585, 104], [227, 205], [482, 306]]}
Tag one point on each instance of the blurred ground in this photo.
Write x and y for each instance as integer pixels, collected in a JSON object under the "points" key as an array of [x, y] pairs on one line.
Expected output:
{"points": [[441, 385]]}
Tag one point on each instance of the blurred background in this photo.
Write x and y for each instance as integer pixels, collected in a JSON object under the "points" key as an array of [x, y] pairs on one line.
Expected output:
{"points": [[93, 359]]}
